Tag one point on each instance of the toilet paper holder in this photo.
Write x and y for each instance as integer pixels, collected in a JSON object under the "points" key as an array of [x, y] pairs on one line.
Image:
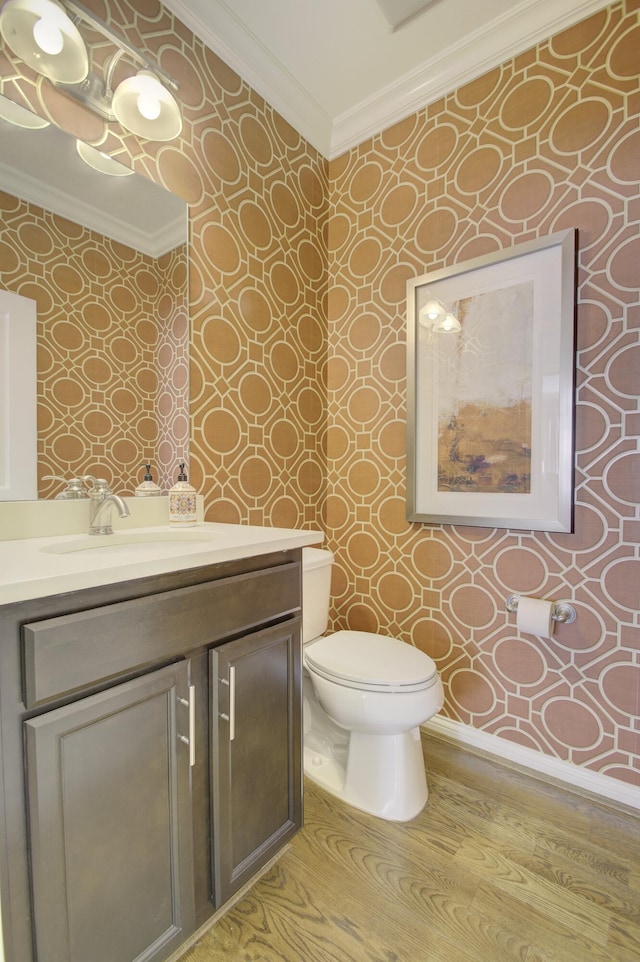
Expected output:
{"points": [[561, 611]]}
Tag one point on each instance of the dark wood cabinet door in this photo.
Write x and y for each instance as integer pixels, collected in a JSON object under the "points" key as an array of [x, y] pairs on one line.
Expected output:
{"points": [[109, 822], [255, 751]]}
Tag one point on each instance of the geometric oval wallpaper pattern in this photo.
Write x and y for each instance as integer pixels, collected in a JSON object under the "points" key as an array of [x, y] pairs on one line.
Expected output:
{"points": [[297, 273], [112, 348], [546, 142]]}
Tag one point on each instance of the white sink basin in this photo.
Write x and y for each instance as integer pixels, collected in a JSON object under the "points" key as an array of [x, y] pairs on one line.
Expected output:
{"points": [[38, 567], [123, 543]]}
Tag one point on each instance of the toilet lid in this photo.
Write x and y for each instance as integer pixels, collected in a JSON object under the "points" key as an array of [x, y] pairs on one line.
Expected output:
{"points": [[366, 660]]}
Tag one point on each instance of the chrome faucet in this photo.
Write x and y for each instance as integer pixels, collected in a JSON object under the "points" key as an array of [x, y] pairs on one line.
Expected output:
{"points": [[74, 487], [101, 500]]}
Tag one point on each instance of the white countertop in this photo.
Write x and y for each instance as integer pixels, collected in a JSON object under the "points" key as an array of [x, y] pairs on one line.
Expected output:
{"points": [[39, 567]]}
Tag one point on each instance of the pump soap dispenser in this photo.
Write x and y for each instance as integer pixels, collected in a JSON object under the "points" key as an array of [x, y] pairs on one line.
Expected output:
{"points": [[182, 501], [147, 488]]}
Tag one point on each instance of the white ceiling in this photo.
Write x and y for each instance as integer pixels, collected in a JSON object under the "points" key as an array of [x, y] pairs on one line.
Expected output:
{"points": [[339, 72]]}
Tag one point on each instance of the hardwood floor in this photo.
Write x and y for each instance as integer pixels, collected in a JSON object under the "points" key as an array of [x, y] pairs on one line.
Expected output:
{"points": [[498, 867]]}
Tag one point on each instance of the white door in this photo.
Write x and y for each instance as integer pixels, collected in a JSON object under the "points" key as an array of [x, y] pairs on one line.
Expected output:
{"points": [[18, 387]]}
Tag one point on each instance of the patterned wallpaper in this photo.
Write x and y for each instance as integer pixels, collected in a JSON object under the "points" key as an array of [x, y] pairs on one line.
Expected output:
{"points": [[546, 142], [112, 348], [258, 202], [299, 420]]}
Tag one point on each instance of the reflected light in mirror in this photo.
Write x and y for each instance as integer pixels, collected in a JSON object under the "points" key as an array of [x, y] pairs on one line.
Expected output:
{"points": [[20, 116], [41, 34], [448, 325], [103, 163]]}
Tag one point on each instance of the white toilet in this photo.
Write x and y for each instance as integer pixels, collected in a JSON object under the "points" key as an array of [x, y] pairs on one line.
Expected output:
{"points": [[364, 697]]}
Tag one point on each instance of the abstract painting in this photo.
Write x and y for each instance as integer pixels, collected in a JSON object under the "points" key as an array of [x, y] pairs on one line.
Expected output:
{"points": [[490, 386], [485, 394]]}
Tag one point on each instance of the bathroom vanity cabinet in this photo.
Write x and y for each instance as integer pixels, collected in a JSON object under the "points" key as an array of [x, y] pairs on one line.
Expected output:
{"points": [[151, 744], [257, 751], [108, 822]]}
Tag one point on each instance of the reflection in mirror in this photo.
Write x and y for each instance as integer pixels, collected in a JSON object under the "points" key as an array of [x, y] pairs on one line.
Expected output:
{"points": [[104, 258]]}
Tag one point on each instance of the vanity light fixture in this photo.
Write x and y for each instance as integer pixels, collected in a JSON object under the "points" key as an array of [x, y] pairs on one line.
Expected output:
{"points": [[101, 162], [145, 107], [41, 34], [46, 35], [20, 116], [435, 316]]}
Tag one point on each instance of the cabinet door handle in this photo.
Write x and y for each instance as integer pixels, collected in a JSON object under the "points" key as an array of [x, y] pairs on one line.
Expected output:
{"points": [[192, 725], [231, 717], [232, 703], [191, 740]]}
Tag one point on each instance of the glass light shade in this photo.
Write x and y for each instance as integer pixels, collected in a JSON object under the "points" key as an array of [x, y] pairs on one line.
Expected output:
{"points": [[146, 108], [41, 34], [101, 162], [448, 325], [48, 36], [20, 116]]}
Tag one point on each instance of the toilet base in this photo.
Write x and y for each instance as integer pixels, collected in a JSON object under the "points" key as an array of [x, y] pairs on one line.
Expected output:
{"points": [[380, 774]]}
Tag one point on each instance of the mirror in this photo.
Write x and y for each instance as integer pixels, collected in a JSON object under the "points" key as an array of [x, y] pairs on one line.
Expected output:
{"points": [[104, 258]]}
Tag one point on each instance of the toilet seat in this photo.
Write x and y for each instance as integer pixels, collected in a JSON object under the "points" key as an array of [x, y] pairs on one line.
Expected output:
{"points": [[370, 662]]}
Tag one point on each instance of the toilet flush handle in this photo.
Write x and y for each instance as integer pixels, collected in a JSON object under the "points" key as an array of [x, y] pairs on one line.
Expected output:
{"points": [[231, 717]]}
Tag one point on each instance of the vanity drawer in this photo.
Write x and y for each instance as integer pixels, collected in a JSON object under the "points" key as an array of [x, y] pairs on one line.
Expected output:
{"points": [[65, 654]]}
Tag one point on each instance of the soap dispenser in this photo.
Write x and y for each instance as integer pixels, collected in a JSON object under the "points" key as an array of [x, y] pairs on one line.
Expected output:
{"points": [[182, 501], [148, 488]]}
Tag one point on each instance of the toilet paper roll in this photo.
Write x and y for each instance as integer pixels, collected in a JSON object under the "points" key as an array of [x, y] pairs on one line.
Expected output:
{"points": [[534, 617]]}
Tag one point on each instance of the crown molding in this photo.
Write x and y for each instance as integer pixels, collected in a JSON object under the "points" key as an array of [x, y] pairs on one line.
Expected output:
{"points": [[153, 243], [526, 24], [244, 52]]}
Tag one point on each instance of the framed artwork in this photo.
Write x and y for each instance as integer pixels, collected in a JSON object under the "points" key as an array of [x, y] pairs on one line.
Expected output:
{"points": [[490, 378]]}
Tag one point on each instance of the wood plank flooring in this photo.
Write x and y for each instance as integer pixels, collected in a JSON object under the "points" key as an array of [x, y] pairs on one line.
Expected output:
{"points": [[498, 867]]}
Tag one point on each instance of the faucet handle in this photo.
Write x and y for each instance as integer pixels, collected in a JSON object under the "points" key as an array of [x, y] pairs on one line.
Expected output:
{"points": [[99, 487], [73, 490]]}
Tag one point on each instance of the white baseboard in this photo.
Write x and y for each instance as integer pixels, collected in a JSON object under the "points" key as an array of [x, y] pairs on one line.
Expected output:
{"points": [[580, 779]]}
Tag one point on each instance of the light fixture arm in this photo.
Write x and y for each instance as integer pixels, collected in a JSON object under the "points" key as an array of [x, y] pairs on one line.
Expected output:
{"points": [[95, 92], [109, 72]]}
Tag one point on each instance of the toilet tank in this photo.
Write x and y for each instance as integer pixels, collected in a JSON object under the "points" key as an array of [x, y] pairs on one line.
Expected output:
{"points": [[316, 590]]}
